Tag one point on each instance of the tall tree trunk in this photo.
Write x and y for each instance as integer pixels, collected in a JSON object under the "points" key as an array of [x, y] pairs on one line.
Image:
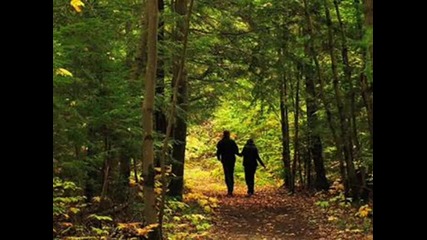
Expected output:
{"points": [[369, 21], [360, 180], [299, 75], [345, 135], [337, 140], [365, 89], [316, 143], [105, 182], [367, 99], [308, 159], [92, 173], [180, 127], [124, 175], [150, 212], [301, 178], [365, 84], [172, 116], [353, 126], [141, 57], [106, 166], [159, 115], [347, 73], [296, 136], [284, 122], [180, 133], [135, 170]]}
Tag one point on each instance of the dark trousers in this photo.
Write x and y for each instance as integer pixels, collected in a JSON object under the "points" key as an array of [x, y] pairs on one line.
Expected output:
{"points": [[229, 176], [249, 177]]}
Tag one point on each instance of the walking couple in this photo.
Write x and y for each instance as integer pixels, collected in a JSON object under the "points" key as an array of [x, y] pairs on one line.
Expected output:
{"points": [[226, 151]]}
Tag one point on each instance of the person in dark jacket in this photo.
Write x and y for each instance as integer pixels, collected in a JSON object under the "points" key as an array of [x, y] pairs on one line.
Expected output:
{"points": [[250, 162], [226, 151]]}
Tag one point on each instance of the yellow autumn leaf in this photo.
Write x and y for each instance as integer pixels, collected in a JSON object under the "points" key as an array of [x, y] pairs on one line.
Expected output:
{"points": [[182, 225], [132, 183], [364, 211], [77, 4], [142, 231], [74, 210], [207, 209], [121, 226], [203, 202], [96, 199], [63, 72]]}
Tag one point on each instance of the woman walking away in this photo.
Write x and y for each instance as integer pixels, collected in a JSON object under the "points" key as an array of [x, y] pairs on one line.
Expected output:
{"points": [[250, 163]]}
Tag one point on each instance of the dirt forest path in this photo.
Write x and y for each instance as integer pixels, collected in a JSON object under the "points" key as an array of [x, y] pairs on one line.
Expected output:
{"points": [[269, 214]]}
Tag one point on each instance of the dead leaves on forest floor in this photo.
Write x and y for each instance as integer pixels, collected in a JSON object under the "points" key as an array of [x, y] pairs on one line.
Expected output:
{"points": [[273, 214]]}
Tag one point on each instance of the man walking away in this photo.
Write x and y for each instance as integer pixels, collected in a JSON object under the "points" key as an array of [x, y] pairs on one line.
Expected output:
{"points": [[226, 151]]}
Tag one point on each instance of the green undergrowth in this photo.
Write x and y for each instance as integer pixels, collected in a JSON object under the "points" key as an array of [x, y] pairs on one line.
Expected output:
{"points": [[76, 218], [348, 216]]}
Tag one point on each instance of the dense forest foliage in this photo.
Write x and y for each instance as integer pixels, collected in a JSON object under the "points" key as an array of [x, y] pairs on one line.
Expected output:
{"points": [[143, 89]]}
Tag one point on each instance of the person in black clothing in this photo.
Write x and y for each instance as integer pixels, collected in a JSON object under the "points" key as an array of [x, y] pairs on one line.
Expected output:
{"points": [[226, 151], [250, 163]]}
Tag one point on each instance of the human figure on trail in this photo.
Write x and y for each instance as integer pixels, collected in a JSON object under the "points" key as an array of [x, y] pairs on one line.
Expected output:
{"points": [[250, 162], [226, 151]]}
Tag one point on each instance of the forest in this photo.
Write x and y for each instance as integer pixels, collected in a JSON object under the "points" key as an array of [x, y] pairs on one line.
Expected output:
{"points": [[143, 91]]}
